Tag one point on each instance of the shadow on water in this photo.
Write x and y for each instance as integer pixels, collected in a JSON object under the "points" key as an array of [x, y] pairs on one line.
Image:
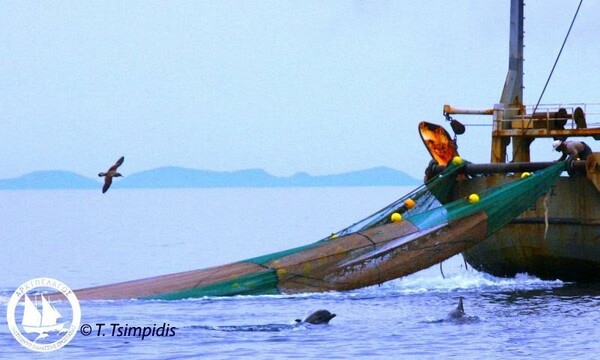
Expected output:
{"points": [[579, 292], [467, 319], [257, 328]]}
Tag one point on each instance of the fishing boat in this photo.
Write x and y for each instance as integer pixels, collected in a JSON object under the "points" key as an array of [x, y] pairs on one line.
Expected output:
{"points": [[559, 236], [491, 213]]}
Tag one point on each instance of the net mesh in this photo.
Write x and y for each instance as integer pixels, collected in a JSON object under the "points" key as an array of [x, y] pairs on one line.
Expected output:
{"points": [[368, 252], [432, 194], [375, 249]]}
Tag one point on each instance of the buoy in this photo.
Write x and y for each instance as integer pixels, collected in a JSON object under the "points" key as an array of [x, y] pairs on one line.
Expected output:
{"points": [[396, 217], [409, 203], [281, 273], [525, 174], [473, 198], [457, 160]]}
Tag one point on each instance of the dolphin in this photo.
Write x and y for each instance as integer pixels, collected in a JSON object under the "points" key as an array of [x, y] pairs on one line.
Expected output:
{"points": [[459, 316], [459, 312], [319, 317]]}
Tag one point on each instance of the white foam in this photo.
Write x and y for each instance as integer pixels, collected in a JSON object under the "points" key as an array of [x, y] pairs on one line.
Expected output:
{"points": [[465, 280]]}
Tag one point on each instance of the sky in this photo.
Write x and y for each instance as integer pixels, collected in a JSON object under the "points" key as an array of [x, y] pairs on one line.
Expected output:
{"points": [[286, 86]]}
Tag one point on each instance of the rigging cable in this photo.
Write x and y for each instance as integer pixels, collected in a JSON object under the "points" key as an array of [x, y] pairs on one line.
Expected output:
{"points": [[554, 66], [558, 57]]}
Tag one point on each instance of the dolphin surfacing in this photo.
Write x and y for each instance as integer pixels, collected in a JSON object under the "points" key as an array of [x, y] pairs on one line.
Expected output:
{"points": [[459, 312], [319, 317], [459, 316]]}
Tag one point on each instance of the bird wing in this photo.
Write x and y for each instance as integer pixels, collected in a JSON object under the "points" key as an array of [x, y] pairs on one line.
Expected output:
{"points": [[117, 164], [107, 182]]}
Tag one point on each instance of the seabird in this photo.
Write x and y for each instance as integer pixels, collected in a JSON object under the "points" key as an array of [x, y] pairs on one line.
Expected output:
{"points": [[112, 172]]}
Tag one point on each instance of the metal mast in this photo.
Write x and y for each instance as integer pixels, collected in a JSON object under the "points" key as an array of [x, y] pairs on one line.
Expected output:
{"points": [[512, 94]]}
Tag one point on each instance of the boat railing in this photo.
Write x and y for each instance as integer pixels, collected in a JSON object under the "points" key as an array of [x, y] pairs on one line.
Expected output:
{"points": [[548, 120], [553, 116]]}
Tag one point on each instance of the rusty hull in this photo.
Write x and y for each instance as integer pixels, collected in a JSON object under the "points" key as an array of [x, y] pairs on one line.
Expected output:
{"points": [[568, 248]]}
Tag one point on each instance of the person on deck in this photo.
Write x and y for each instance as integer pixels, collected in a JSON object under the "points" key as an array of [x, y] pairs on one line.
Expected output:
{"points": [[575, 149]]}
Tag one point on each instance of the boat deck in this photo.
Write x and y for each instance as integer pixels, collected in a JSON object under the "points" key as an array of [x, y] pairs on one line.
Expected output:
{"points": [[555, 121]]}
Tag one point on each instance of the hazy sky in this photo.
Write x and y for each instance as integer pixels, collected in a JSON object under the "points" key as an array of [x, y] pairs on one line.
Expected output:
{"points": [[287, 86]]}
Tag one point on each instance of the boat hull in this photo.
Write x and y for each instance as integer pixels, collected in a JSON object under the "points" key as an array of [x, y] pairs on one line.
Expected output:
{"points": [[568, 248]]}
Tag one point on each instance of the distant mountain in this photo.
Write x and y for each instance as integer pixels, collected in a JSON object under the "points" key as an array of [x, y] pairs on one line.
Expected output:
{"points": [[379, 176], [49, 180], [177, 177]]}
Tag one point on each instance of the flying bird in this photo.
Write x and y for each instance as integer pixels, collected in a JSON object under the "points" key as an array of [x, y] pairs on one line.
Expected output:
{"points": [[112, 172]]}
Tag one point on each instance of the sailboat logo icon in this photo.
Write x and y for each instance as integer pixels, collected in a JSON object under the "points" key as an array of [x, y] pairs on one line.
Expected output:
{"points": [[42, 324]]}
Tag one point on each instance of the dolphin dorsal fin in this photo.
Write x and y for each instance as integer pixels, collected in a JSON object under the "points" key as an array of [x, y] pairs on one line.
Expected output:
{"points": [[460, 305]]}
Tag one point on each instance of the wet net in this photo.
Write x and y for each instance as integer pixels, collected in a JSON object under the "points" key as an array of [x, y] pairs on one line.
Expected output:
{"points": [[432, 194], [371, 251]]}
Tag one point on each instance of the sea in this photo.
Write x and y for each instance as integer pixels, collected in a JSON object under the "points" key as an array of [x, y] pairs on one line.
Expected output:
{"points": [[84, 238]]}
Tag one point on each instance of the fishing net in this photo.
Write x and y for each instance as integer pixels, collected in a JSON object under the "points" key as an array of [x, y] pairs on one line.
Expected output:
{"points": [[371, 251], [432, 194]]}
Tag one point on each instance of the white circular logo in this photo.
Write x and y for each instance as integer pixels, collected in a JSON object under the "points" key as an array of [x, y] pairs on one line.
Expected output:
{"points": [[46, 321]]}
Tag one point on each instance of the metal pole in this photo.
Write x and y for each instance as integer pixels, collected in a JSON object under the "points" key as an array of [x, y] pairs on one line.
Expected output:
{"points": [[518, 167]]}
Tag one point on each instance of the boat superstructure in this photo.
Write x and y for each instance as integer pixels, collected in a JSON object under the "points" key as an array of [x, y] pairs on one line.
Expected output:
{"points": [[558, 237]]}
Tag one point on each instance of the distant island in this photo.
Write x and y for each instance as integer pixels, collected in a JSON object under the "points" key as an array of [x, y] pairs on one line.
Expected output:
{"points": [[177, 177]]}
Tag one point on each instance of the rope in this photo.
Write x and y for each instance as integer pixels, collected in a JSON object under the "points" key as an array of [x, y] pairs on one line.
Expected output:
{"points": [[546, 198], [368, 238], [552, 71], [558, 57]]}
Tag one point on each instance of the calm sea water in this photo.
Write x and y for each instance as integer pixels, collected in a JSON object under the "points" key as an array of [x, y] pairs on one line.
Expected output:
{"points": [[84, 238]]}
